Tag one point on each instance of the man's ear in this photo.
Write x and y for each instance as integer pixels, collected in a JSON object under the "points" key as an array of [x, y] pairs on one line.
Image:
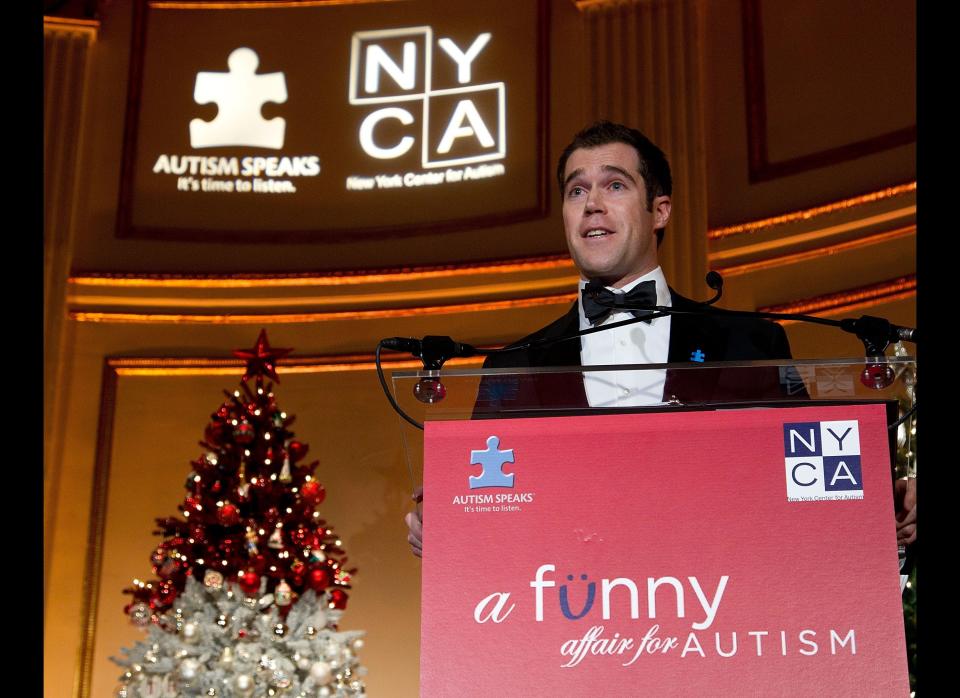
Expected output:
{"points": [[661, 211]]}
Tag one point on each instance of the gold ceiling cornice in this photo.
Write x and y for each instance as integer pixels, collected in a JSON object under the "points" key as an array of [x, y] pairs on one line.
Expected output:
{"points": [[335, 278], [257, 4], [313, 317], [70, 24], [809, 213], [851, 299]]}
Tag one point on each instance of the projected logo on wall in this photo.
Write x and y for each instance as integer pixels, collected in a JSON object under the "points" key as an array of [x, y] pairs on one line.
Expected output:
{"points": [[334, 118], [471, 116], [239, 95]]}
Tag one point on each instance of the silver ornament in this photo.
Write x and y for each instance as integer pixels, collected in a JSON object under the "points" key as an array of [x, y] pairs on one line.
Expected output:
{"points": [[321, 672], [280, 630], [140, 614], [244, 684], [303, 663], [190, 633], [213, 580], [358, 644], [189, 668]]}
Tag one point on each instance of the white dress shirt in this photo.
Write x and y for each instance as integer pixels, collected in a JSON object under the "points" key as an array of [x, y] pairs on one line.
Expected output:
{"points": [[639, 343]]}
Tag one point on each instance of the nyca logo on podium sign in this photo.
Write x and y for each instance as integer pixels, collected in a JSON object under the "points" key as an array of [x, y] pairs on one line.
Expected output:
{"points": [[822, 460], [393, 72]]}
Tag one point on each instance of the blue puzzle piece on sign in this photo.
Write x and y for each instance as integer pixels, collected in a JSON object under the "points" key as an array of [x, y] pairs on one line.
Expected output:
{"points": [[492, 459]]}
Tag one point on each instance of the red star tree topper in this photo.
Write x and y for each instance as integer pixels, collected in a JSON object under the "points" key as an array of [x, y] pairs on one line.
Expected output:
{"points": [[262, 359]]}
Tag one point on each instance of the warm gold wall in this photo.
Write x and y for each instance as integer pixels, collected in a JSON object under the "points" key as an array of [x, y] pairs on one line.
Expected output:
{"points": [[675, 68]]}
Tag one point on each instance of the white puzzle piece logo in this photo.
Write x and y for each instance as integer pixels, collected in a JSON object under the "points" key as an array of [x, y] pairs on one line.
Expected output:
{"points": [[239, 95]]}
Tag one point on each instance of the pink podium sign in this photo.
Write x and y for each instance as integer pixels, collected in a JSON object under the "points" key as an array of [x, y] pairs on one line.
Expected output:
{"points": [[736, 552]]}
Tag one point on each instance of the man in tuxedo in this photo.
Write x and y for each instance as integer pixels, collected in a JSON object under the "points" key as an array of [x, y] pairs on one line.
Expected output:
{"points": [[615, 185]]}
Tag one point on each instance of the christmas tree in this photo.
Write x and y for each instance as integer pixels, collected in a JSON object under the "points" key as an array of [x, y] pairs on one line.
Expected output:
{"points": [[251, 580]]}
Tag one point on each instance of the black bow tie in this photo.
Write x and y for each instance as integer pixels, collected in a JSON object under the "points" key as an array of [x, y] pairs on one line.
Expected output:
{"points": [[599, 300]]}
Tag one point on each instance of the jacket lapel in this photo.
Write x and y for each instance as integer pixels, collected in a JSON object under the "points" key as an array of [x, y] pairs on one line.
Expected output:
{"points": [[567, 352], [695, 339], [562, 390]]}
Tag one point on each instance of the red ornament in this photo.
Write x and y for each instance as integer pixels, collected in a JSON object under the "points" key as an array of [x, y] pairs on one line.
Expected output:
{"points": [[214, 433], [338, 597], [313, 492], [297, 450], [228, 514], [319, 579], [249, 581], [243, 433]]}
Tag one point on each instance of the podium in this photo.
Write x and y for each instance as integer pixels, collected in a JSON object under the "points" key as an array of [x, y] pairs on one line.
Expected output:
{"points": [[737, 538]]}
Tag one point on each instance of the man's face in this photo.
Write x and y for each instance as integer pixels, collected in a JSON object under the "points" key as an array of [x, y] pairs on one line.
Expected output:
{"points": [[609, 230]]}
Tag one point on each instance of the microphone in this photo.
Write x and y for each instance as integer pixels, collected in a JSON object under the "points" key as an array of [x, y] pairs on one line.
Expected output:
{"points": [[878, 331], [715, 282], [432, 350]]}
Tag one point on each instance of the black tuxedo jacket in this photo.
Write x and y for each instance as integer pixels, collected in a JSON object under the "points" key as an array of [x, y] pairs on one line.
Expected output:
{"points": [[710, 336]]}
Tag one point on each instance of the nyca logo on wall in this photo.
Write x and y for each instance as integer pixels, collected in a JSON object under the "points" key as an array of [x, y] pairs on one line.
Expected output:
{"points": [[392, 73], [822, 460]]}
